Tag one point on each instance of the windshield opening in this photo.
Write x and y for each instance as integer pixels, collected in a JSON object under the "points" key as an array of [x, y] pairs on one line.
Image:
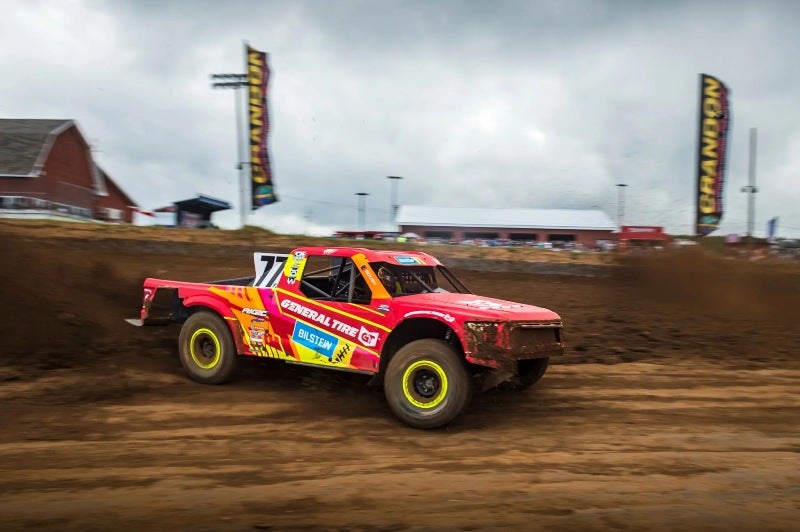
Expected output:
{"points": [[406, 280]]}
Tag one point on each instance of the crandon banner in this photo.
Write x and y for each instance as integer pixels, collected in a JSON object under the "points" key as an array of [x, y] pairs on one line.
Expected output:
{"points": [[711, 150], [261, 174]]}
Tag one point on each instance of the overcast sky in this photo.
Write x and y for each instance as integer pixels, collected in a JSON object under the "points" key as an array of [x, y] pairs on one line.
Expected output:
{"points": [[529, 104]]}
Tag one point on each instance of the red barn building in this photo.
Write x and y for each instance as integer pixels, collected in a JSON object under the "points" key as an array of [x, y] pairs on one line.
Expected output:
{"points": [[47, 171]]}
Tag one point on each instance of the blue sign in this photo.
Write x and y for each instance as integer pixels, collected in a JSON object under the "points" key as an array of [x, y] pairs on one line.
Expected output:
{"points": [[772, 227], [314, 339], [407, 260]]}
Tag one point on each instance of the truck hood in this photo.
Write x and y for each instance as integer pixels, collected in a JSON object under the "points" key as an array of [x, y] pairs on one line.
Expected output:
{"points": [[469, 307]]}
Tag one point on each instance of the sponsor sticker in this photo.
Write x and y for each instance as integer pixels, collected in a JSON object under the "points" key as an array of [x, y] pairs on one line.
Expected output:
{"points": [[367, 337], [491, 305], [342, 353], [366, 272], [268, 269], [408, 260], [314, 339], [334, 325], [257, 334], [255, 312], [299, 258]]}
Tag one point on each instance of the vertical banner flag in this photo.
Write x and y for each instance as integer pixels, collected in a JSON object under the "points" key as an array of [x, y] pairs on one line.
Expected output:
{"points": [[772, 228], [711, 150], [260, 172]]}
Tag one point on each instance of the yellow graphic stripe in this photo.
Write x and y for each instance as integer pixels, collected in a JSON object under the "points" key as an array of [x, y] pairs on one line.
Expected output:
{"points": [[268, 351], [331, 309], [239, 296]]}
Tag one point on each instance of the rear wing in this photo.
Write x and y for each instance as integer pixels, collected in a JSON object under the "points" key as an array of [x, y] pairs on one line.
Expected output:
{"points": [[160, 304]]}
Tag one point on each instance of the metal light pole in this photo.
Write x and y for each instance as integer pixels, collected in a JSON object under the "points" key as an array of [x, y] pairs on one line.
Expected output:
{"points": [[621, 205], [236, 82], [362, 209], [393, 179], [751, 188]]}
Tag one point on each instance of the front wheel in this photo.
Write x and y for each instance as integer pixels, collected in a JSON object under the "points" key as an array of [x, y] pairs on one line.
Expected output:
{"points": [[427, 384], [530, 371], [206, 348]]}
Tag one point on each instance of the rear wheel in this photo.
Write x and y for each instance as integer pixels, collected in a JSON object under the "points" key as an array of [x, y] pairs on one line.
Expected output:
{"points": [[206, 348], [427, 384]]}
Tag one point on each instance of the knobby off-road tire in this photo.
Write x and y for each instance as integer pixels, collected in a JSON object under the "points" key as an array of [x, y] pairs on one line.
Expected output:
{"points": [[206, 348], [529, 372], [427, 384]]}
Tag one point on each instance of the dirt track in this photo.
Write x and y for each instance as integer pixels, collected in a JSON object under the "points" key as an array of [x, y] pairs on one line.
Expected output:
{"points": [[666, 412]]}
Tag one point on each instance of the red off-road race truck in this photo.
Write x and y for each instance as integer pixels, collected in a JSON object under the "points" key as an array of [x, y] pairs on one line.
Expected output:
{"points": [[398, 315]]}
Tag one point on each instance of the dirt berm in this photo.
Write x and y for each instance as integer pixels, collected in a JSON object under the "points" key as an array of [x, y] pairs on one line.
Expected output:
{"points": [[677, 405]]}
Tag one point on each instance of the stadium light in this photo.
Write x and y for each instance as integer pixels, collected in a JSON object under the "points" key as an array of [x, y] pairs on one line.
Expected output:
{"points": [[621, 205], [362, 209], [393, 179], [751, 188]]}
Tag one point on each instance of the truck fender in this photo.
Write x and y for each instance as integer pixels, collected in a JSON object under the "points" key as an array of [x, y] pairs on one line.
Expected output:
{"points": [[417, 328], [201, 301]]}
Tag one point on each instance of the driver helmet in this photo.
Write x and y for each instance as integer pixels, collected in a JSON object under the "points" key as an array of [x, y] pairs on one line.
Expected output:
{"points": [[389, 280]]}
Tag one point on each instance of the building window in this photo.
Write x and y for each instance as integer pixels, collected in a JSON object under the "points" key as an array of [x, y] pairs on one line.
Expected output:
{"points": [[439, 235], [523, 237], [480, 236], [561, 241]]}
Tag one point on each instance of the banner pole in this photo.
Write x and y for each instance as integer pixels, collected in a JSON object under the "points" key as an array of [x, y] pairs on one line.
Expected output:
{"points": [[240, 165], [751, 178], [246, 176], [698, 160]]}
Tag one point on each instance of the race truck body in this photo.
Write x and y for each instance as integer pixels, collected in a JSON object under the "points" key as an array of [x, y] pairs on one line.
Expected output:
{"points": [[398, 315]]}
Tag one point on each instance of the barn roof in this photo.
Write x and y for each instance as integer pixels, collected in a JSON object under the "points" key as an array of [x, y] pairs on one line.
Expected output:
{"points": [[25, 143], [106, 183], [571, 219]]}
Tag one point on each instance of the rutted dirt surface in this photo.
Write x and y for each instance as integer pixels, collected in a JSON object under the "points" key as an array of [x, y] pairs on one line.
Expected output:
{"points": [[676, 406]]}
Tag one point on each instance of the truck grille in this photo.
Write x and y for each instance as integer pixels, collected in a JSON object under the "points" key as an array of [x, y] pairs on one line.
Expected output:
{"points": [[534, 339]]}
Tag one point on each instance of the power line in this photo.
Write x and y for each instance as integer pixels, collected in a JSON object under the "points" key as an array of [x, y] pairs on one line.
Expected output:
{"points": [[332, 203]]}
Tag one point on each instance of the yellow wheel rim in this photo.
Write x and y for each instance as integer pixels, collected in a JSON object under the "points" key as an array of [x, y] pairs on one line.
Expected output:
{"points": [[204, 348], [425, 384]]}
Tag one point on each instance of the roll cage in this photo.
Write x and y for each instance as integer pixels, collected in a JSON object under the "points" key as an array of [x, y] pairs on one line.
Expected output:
{"points": [[341, 281]]}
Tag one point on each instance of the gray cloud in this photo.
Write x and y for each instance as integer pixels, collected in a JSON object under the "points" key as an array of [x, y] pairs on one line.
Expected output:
{"points": [[479, 104]]}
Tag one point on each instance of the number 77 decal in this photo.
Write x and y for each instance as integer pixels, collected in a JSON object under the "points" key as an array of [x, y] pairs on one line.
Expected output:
{"points": [[268, 269]]}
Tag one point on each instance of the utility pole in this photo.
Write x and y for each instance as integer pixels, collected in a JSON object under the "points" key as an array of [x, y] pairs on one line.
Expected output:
{"points": [[751, 189], [236, 82], [393, 179], [621, 205], [362, 209]]}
